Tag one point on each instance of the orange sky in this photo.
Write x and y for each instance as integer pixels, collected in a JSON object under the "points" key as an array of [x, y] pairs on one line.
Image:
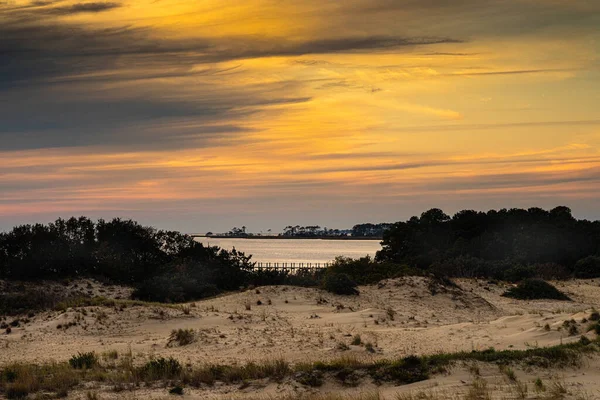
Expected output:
{"points": [[196, 115]]}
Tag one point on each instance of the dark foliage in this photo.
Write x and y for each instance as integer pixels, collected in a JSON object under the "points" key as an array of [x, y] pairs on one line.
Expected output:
{"points": [[587, 268], [177, 390], [163, 265], [365, 271], [305, 277], [21, 300], [507, 244], [532, 289], [370, 230], [178, 287], [84, 360], [339, 284], [118, 250], [160, 368]]}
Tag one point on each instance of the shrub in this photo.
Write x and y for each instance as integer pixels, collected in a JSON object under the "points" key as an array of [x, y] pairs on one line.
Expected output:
{"points": [[174, 288], [84, 360], [305, 277], [23, 300], [339, 284], [182, 337], [519, 273], [366, 271], [311, 378], [587, 268], [594, 326], [532, 289], [356, 341], [342, 346], [161, 368], [177, 390]]}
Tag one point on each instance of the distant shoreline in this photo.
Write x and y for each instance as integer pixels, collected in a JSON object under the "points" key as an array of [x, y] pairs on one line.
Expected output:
{"points": [[289, 237]]}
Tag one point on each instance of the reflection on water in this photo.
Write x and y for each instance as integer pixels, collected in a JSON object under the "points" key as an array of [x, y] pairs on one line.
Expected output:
{"points": [[297, 250]]}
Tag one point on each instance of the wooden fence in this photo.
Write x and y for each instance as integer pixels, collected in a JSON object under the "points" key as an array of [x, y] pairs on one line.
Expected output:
{"points": [[290, 267]]}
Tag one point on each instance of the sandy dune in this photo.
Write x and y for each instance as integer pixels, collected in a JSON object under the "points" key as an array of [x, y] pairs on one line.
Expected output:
{"points": [[399, 317]]}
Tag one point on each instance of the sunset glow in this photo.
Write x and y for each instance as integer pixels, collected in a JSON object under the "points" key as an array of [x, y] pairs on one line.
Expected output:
{"points": [[201, 115]]}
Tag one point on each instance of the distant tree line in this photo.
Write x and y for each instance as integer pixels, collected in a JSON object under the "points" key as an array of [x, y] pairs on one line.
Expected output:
{"points": [[163, 265], [312, 231], [367, 230], [507, 244]]}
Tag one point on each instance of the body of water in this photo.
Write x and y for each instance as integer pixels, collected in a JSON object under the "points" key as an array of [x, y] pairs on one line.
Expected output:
{"points": [[296, 250]]}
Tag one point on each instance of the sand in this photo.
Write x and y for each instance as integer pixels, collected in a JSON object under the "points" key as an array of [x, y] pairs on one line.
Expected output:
{"points": [[399, 317]]}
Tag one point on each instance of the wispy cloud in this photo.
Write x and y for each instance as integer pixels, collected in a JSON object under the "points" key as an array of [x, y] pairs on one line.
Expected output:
{"points": [[212, 111], [77, 8]]}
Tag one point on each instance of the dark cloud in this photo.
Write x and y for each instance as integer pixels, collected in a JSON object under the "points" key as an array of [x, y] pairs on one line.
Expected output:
{"points": [[35, 47], [94, 7], [131, 122]]}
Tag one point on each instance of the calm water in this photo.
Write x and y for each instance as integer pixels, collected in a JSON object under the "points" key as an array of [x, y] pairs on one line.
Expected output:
{"points": [[297, 250]]}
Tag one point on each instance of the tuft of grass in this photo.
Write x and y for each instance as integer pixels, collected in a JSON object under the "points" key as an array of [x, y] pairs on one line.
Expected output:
{"points": [[356, 340], [160, 368], [509, 373], [84, 360], [110, 355], [478, 390], [181, 337], [342, 346], [391, 313], [539, 385]]}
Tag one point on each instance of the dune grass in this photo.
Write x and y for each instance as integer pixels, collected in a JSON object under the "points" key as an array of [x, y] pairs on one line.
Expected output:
{"points": [[19, 380]]}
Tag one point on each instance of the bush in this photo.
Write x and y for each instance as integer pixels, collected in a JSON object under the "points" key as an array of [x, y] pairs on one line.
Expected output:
{"points": [[339, 284], [532, 289], [305, 277], [519, 273], [174, 288], [177, 390], [182, 337], [161, 368], [84, 360], [587, 268], [365, 270], [19, 300]]}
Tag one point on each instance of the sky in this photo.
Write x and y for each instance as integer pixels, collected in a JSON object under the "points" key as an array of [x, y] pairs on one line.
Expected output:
{"points": [[201, 115]]}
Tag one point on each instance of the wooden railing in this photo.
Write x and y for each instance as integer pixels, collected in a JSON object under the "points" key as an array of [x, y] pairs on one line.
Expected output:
{"points": [[292, 267]]}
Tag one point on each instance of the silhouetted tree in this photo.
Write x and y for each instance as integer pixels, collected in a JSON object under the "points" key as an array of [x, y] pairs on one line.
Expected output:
{"points": [[485, 242]]}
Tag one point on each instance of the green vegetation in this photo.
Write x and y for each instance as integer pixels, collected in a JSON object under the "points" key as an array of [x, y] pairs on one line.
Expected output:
{"points": [[84, 360], [507, 244], [163, 265], [182, 337], [587, 268], [19, 380], [365, 270], [339, 284], [513, 245], [160, 369], [533, 289]]}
